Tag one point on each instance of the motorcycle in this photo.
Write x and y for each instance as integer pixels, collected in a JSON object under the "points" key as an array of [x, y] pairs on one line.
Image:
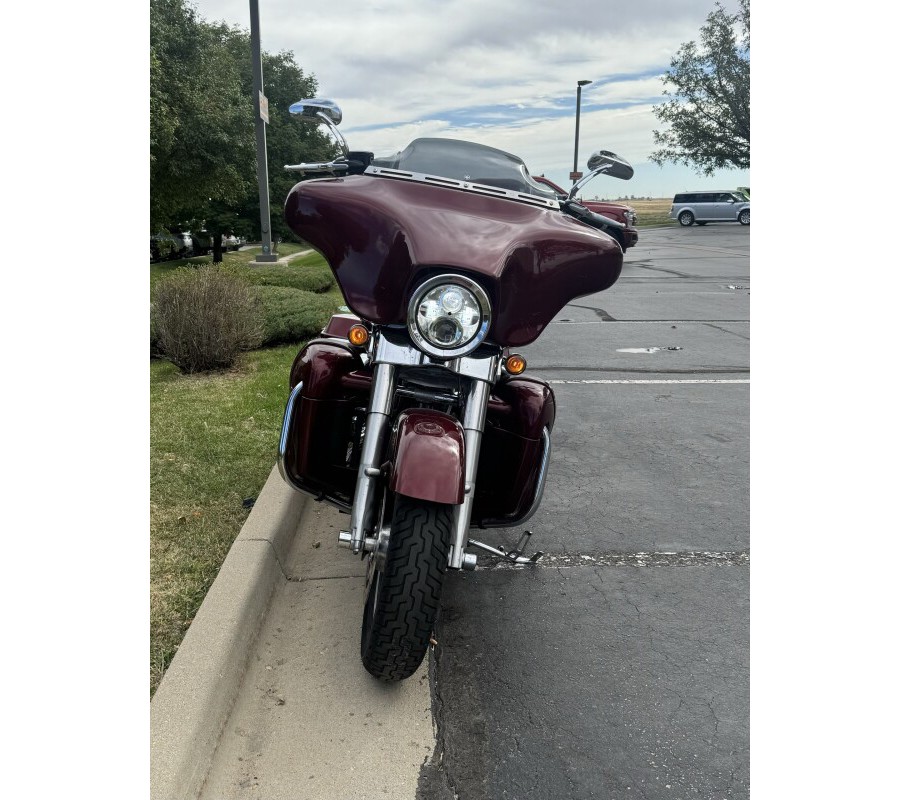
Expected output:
{"points": [[412, 414]]}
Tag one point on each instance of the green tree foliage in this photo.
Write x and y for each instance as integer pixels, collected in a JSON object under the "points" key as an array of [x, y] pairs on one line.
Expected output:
{"points": [[202, 139], [708, 115], [199, 118], [288, 140]]}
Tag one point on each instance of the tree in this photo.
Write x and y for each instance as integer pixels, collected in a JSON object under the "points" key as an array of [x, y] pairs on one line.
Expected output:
{"points": [[709, 110], [288, 140], [202, 141], [199, 116]]}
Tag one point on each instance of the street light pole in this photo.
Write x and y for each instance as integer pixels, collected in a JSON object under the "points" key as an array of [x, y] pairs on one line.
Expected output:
{"points": [[577, 125], [262, 167]]}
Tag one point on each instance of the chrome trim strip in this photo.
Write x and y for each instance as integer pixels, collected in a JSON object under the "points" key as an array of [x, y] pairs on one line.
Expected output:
{"points": [[282, 451], [285, 431], [542, 477], [465, 186], [390, 348], [538, 492]]}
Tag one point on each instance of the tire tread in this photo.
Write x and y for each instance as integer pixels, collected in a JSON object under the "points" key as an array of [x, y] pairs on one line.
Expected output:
{"points": [[396, 639]]}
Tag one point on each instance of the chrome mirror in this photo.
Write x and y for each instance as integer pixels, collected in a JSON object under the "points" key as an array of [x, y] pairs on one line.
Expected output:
{"points": [[318, 109], [604, 162], [610, 164], [314, 108]]}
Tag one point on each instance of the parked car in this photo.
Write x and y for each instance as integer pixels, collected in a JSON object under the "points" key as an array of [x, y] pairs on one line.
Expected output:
{"points": [[164, 246], [201, 243], [617, 211], [702, 207]]}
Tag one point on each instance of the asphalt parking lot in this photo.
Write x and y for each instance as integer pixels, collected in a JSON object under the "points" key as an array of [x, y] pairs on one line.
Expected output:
{"points": [[615, 668], [619, 668]]}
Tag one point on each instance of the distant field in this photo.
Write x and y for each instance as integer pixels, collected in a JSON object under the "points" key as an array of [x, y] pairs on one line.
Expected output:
{"points": [[652, 212]]}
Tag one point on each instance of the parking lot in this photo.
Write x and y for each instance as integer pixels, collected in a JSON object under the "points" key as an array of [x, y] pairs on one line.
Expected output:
{"points": [[619, 668], [615, 668]]}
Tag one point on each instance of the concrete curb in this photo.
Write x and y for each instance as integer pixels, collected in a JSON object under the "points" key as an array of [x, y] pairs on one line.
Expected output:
{"points": [[193, 701]]}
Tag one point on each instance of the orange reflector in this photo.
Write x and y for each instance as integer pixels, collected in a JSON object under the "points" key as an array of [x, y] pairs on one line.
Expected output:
{"points": [[358, 335], [515, 365]]}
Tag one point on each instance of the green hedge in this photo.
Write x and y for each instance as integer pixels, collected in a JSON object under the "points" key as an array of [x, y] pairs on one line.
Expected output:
{"points": [[309, 278], [291, 315]]}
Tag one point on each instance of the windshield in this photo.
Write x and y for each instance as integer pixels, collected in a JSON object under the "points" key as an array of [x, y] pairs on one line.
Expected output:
{"points": [[466, 161]]}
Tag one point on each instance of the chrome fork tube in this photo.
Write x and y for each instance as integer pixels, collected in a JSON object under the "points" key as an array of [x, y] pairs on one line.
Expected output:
{"points": [[473, 425], [365, 500]]}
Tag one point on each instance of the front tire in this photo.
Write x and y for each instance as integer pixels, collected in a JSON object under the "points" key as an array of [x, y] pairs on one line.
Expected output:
{"points": [[686, 219], [744, 217], [402, 598]]}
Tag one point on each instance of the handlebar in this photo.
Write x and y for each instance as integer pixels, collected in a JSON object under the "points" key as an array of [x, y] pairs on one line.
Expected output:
{"points": [[328, 167], [575, 209]]}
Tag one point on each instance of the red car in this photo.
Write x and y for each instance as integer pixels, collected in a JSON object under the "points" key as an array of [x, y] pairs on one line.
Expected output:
{"points": [[620, 213]]}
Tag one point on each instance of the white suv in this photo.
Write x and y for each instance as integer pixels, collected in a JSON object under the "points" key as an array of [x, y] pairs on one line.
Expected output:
{"points": [[703, 207]]}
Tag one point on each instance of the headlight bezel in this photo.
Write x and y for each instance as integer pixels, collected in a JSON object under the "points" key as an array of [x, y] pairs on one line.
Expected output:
{"points": [[419, 338]]}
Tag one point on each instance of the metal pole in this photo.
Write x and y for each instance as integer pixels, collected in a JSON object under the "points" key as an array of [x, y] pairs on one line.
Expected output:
{"points": [[577, 125], [262, 168]]}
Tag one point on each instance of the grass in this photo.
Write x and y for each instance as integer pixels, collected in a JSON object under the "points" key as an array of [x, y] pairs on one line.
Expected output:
{"points": [[235, 257], [652, 212], [213, 442]]}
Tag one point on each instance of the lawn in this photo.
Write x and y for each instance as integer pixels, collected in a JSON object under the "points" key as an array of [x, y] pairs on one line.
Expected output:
{"points": [[213, 442], [652, 212], [235, 257]]}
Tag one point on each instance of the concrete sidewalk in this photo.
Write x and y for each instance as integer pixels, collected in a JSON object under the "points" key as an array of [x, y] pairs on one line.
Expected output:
{"points": [[266, 697], [283, 260]]}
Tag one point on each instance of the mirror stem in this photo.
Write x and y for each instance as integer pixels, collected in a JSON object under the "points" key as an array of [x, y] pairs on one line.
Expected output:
{"points": [[326, 120]]}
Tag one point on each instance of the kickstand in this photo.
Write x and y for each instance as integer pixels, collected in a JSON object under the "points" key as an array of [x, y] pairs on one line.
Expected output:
{"points": [[514, 556]]}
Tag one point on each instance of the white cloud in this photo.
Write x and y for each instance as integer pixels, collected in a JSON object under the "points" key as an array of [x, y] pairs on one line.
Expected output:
{"points": [[401, 69]]}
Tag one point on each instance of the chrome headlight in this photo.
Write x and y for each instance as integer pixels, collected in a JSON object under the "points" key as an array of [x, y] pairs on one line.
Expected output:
{"points": [[449, 316]]}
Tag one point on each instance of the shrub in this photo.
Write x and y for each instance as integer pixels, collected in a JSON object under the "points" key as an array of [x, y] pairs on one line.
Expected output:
{"points": [[204, 316], [291, 315], [312, 278]]}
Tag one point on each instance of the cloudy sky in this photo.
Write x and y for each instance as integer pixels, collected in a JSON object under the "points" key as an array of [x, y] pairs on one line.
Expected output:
{"points": [[499, 72]]}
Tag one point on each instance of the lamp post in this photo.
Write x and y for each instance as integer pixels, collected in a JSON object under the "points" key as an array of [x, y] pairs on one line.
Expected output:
{"points": [[261, 115], [577, 124]]}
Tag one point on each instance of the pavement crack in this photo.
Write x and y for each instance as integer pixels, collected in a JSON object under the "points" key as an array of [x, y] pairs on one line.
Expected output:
{"points": [[674, 272], [278, 560], [725, 330], [604, 315]]}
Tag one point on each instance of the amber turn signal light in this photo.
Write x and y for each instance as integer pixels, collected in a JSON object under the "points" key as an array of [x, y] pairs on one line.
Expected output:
{"points": [[358, 335], [515, 365]]}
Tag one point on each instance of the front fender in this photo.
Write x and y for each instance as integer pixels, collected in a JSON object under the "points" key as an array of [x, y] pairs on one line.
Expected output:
{"points": [[429, 457]]}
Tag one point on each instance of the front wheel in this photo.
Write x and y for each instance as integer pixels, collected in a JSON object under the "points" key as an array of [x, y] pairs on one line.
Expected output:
{"points": [[686, 218], [744, 217], [402, 598]]}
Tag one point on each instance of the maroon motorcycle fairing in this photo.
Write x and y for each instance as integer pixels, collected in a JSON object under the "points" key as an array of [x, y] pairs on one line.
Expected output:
{"points": [[383, 236], [322, 448]]}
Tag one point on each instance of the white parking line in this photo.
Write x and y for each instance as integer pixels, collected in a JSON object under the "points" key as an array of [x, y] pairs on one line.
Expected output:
{"points": [[680, 380], [653, 322]]}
